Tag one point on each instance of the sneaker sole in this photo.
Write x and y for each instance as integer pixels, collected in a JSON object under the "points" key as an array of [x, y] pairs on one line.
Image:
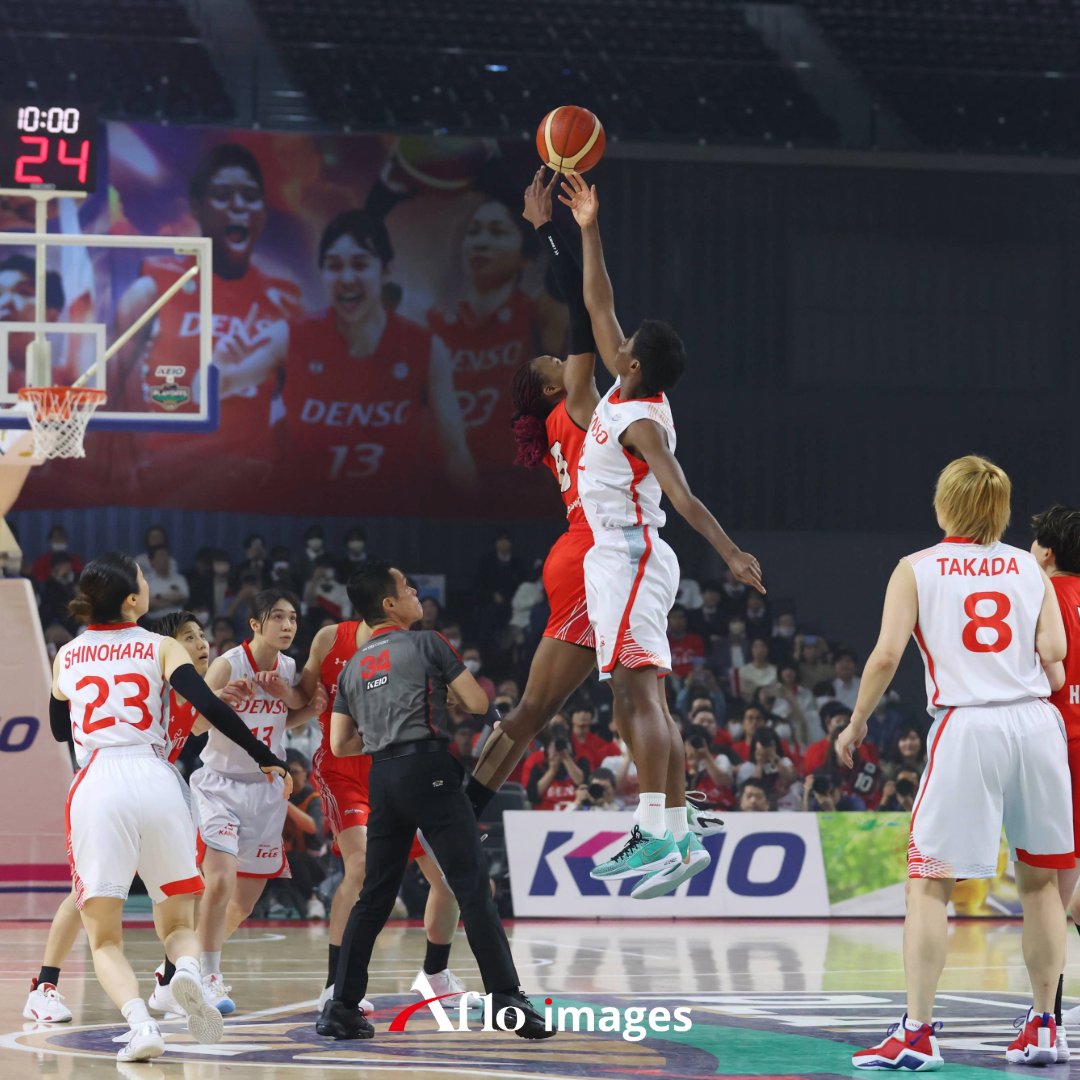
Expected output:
{"points": [[28, 1015], [204, 1022], [888, 1065], [665, 863], [1036, 1057], [665, 882], [145, 1053]]}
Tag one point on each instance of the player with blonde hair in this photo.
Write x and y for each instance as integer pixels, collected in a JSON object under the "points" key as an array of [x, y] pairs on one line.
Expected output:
{"points": [[987, 623]]}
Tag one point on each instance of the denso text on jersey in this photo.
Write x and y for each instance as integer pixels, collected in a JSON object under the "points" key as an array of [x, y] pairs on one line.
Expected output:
{"points": [[344, 414]]}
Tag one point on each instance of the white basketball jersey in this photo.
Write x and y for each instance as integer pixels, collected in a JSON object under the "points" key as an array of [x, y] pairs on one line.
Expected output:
{"points": [[112, 677], [978, 610], [263, 713], [617, 489]]}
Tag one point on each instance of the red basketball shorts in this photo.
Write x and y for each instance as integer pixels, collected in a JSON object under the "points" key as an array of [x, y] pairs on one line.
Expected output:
{"points": [[564, 583], [343, 786]]}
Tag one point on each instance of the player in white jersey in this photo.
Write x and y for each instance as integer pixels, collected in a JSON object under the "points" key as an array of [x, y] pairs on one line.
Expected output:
{"points": [[631, 575], [125, 810], [987, 622], [240, 815]]}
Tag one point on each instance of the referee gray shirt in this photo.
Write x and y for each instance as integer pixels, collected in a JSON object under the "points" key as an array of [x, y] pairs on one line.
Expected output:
{"points": [[394, 687]]}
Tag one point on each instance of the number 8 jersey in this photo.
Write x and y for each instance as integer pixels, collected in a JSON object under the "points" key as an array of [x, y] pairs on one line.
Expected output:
{"points": [[979, 606], [112, 676]]}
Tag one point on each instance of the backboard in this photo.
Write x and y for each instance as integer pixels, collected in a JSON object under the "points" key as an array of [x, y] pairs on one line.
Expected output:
{"points": [[130, 315]]}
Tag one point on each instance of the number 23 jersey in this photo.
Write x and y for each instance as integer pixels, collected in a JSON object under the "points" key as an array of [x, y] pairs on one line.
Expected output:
{"points": [[264, 714], [112, 677], [979, 606]]}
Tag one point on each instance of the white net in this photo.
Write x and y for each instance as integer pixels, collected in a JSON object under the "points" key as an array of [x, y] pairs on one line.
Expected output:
{"points": [[58, 418]]}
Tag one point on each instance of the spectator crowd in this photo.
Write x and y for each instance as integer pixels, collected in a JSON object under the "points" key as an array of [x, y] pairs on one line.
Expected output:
{"points": [[760, 697]]}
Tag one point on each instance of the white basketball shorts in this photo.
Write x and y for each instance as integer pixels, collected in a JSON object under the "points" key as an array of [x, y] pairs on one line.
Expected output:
{"points": [[991, 765], [125, 816], [242, 818], [631, 578]]}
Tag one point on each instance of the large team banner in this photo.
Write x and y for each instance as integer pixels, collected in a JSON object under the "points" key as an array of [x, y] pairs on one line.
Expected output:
{"points": [[372, 298]]}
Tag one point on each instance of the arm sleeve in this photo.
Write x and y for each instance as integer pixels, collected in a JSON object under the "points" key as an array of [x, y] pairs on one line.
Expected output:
{"points": [[441, 655], [568, 275], [60, 719], [186, 682]]}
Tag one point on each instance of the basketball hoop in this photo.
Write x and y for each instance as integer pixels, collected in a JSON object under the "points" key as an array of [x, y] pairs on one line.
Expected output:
{"points": [[58, 418]]}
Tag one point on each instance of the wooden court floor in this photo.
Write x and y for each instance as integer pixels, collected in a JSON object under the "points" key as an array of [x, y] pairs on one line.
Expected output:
{"points": [[765, 999]]}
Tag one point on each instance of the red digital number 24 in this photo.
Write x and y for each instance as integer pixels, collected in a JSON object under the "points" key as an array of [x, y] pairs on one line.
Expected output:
{"points": [[995, 621]]}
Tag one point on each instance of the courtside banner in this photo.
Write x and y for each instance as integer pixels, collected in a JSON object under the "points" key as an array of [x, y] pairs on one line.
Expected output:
{"points": [[35, 770], [764, 866]]}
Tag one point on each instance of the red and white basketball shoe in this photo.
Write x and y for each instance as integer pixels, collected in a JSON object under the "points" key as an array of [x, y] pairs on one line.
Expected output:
{"points": [[906, 1046], [45, 1005], [1037, 1042]]}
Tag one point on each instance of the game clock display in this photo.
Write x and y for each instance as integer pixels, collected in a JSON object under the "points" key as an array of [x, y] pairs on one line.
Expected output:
{"points": [[48, 146]]}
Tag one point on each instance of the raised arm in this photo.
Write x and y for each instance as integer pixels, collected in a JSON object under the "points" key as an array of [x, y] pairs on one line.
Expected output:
{"points": [[599, 295], [239, 369], [648, 440], [898, 619], [579, 374]]}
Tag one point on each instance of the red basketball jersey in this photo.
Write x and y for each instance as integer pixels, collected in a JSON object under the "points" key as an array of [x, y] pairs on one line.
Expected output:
{"points": [[180, 717], [1067, 699], [244, 310], [565, 441], [485, 351], [356, 426], [341, 652]]}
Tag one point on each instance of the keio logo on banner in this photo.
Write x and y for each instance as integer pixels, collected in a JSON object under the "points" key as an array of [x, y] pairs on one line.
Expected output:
{"points": [[762, 865]]}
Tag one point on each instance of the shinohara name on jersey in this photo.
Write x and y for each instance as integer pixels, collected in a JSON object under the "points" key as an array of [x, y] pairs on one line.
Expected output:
{"points": [[108, 651], [976, 567]]}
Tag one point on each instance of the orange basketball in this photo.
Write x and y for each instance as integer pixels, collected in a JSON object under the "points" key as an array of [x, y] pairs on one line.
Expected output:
{"points": [[570, 139]]}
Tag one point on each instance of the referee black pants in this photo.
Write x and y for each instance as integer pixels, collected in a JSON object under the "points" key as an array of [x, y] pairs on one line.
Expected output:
{"points": [[422, 791]]}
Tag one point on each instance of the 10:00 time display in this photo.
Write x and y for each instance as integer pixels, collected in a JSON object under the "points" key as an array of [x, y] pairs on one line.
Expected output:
{"points": [[56, 121]]}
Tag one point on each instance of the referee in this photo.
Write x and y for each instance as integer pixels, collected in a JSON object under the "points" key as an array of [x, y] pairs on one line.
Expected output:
{"points": [[391, 704]]}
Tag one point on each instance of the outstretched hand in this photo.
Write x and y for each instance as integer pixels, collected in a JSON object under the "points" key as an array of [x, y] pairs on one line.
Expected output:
{"points": [[538, 199], [236, 692], [582, 199], [747, 570]]}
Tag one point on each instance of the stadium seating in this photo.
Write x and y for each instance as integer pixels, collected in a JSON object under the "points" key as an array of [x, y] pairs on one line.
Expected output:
{"points": [[148, 61]]}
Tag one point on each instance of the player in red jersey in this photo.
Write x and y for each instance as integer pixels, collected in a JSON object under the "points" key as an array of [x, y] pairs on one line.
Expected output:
{"points": [[553, 401], [495, 327], [343, 784], [363, 383], [158, 369], [1056, 547]]}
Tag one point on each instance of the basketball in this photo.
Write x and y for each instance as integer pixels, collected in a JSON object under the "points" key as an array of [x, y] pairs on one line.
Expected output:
{"points": [[570, 139]]}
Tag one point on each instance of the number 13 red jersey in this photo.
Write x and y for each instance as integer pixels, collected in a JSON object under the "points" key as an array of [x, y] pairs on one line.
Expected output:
{"points": [[978, 609]]}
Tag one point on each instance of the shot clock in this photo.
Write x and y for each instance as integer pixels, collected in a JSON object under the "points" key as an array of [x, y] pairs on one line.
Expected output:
{"points": [[46, 146]]}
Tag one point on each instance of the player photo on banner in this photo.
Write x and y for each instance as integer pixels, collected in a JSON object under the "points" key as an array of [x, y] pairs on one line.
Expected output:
{"points": [[372, 297]]}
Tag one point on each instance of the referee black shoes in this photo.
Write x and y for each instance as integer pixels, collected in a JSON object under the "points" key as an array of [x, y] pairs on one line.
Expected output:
{"points": [[338, 1021], [534, 1026]]}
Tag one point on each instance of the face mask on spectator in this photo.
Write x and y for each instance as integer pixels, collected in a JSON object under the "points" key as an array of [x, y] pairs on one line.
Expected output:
{"points": [[221, 568], [281, 568], [734, 588], [455, 643], [783, 730], [785, 631], [315, 545], [356, 547], [472, 666], [59, 545]]}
